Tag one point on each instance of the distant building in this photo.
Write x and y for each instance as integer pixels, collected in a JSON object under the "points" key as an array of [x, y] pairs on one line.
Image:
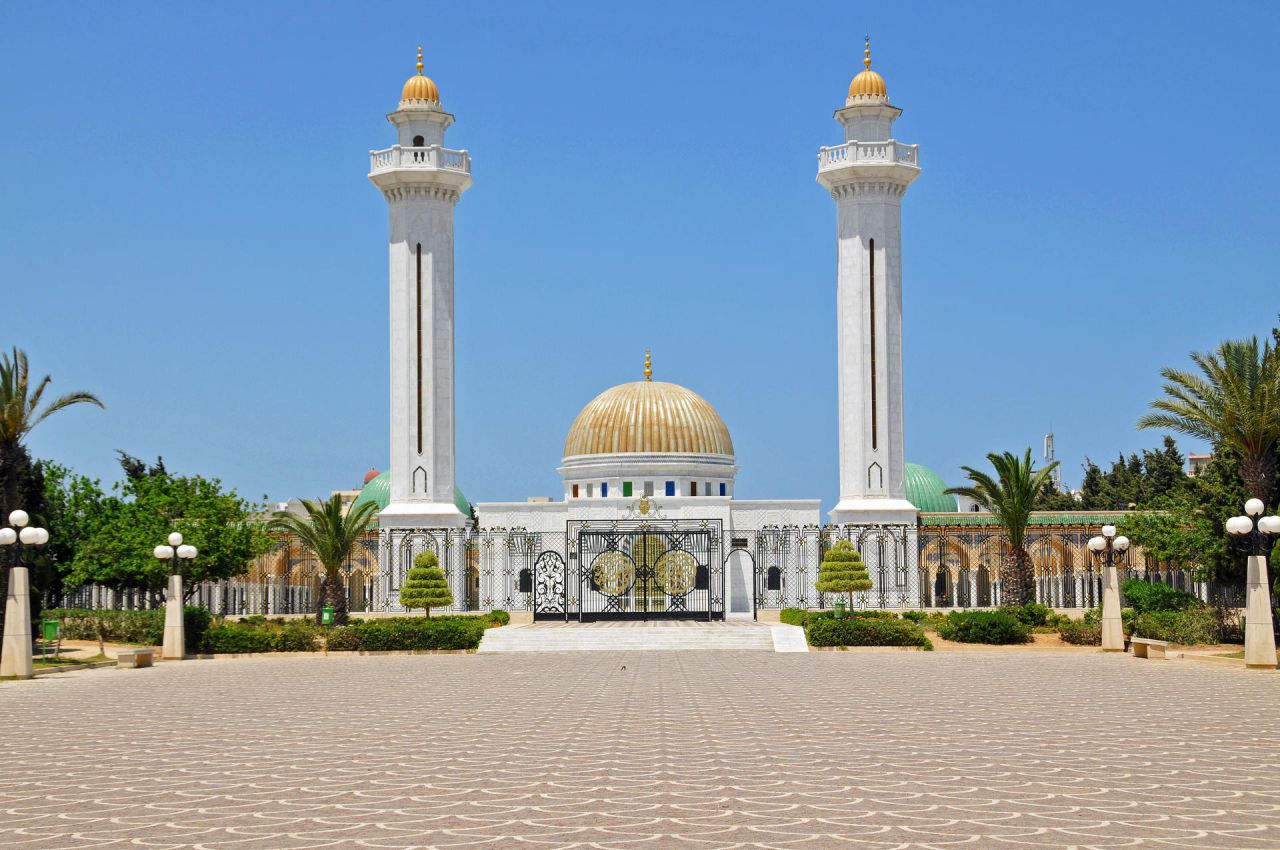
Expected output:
{"points": [[1197, 463]]}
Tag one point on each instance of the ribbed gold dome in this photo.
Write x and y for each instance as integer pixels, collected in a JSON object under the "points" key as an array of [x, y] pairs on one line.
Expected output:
{"points": [[420, 86], [648, 416], [868, 83]]}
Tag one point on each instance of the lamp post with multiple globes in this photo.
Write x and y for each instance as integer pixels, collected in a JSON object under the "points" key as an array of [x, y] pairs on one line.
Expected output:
{"points": [[174, 632], [15, 654], [1109, 548], [1258, 533]]}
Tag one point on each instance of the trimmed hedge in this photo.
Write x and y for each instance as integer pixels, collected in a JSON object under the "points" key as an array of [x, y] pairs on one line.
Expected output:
{"points": [[420, 633], [138, 627], [237, 637], [1192, 626], [865, 631], [1145, 597], [1081, 633], [793, 616], [498, 617], [997, 627]]}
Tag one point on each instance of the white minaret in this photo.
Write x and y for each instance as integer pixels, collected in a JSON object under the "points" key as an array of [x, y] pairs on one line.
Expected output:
{"points": [[867, 177], [422, 181]]}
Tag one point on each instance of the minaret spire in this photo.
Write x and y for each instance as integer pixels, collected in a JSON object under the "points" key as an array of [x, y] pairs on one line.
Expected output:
{"points": [[420, 61], [648, 366], [866, 55]]}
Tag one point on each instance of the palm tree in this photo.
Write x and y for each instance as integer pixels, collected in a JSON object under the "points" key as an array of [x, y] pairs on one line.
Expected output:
{"points": [[331, 535], [1010, 497], [20, 411], [1234, 404]]}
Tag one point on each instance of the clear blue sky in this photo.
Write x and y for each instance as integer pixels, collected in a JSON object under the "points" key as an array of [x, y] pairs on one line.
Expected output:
{"points": [[187, 230]]}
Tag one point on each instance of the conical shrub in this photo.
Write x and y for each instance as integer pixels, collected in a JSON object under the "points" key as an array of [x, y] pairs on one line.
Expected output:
{"points": [[842, 571], [426, 586]]}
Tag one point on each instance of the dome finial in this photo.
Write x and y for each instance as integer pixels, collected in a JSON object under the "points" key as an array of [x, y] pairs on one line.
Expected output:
{"points": [[866, 54], [648, 366], [419, 60]]}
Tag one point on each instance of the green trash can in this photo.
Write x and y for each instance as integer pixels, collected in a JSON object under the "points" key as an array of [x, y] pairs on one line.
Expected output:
{"points": [[326, 616], [51, 630], [839, 610]]}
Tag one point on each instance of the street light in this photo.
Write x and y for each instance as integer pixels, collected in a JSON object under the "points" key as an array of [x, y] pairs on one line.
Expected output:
{"points": [[1257, 534], [1109, 548], [175, 638], [15, 653]]}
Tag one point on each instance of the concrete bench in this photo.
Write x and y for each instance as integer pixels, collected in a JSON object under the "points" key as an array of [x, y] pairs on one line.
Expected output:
{"points": [[1148, 648], [132, 658]]}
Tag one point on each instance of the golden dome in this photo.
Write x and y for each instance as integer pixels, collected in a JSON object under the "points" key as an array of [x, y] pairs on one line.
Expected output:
{"points": [[420, 86], [648, 416], [868, 83]]}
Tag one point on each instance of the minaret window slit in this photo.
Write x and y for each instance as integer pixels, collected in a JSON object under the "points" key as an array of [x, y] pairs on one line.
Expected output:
{"points": [[418, 315], [871, 265]]}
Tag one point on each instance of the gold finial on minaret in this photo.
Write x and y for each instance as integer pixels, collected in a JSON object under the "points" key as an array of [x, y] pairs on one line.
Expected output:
{"points": [[866, 54], [648, 366], [419, 60]]}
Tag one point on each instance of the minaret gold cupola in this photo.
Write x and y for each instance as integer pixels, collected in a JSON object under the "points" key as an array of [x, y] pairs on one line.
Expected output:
{"points": [[868, 86], [420, 90]]}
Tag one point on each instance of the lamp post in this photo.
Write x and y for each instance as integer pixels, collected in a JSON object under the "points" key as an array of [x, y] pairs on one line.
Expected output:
{"points": [[15, 653], [1108, 548], [1258, 533], [174, 634]]}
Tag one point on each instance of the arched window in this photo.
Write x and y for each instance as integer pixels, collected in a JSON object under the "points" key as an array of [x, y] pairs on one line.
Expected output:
{"points": [[773, 579], [526, 581], [419, 142]]}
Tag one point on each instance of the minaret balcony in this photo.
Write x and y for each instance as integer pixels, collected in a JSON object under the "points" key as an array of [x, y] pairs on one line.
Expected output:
{"points": [[432, 164], [877, 160]]}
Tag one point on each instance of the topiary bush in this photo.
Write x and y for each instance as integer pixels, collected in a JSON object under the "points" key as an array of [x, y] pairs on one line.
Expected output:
{"points": [[997, 627], [498, 617], [1145, 597], [426, 586], [865, 631], [1081, 633], [236, 637], [793, 616], [842, 571], [1187, 627]]}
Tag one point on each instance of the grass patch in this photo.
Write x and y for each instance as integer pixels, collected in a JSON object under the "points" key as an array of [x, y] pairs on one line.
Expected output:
{"points": [[62, 661]]}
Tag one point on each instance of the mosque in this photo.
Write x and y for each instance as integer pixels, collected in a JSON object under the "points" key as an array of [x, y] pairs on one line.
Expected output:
{"points": [[649, 525]]}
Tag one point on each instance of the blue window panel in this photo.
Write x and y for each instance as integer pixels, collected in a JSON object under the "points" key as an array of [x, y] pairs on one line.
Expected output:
{"points": [[671, 488], [604, 489], [721, 488]]}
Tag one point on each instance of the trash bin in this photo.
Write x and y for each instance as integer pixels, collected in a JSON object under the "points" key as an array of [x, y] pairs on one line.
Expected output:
{"points": [[839, 610], [326, 616], [51, 630]]}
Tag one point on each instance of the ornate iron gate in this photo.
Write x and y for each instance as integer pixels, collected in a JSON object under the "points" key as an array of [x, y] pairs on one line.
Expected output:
{"points": [[645, 571]]}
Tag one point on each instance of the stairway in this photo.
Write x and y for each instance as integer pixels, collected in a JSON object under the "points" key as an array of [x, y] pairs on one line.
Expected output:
{"points": [[628, 636]]}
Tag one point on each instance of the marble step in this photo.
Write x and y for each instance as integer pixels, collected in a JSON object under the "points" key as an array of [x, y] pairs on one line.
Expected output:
{"points": [[587, 639]]}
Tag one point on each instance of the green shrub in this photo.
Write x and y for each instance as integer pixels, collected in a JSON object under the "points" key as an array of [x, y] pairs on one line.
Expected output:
{"points": [[342, 639], [1031, 614], [1145, 597], [298, 636], [140, 627], [1081, 633], [995, 627], [915, 616], [426, 587], [865, 631], [793, 616], [392, 633], [842, 571], [1191, 626], [498, 617], [236, 637], [874, 614]]}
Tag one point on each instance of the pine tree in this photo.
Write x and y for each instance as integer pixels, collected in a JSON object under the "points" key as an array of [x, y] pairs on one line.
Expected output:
{"points": [[426, 586], [842, 571]]}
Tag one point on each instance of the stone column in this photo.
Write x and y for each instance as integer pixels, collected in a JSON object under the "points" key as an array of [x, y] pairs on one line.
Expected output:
{"points": [[1259, 639], [175, 643], [15, 654], [1112, 625]]}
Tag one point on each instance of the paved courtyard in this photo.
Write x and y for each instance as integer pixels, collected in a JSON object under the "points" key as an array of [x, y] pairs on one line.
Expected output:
{"points": [[646, 750]]}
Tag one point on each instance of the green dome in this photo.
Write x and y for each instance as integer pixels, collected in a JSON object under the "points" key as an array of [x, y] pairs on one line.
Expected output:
{"points": [[925, 490], [378, 491]]}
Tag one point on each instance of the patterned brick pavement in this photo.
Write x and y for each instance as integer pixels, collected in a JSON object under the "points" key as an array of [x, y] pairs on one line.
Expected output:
{"points": [[645, 750]]}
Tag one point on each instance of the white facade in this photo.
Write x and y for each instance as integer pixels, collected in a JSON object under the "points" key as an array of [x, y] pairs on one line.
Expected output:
{"points": [[422, 182], [867, 177]]}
